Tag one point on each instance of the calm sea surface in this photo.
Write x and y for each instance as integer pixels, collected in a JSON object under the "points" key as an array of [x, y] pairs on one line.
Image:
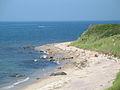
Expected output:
{"points": [[14, 59]]}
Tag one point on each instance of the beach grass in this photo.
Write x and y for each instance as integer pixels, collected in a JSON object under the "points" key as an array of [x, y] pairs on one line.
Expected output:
{"points": [[103, 38], [116, 83]]}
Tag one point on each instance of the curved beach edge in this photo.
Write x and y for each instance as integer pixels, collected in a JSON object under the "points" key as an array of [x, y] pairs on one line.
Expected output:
{"points": [[85, 69]]}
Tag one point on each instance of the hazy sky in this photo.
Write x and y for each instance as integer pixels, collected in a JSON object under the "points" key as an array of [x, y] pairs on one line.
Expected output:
{"points": [[59, 10]]}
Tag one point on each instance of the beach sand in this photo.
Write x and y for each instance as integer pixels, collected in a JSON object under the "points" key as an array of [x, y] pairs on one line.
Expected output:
{"points": [[86, 70]]}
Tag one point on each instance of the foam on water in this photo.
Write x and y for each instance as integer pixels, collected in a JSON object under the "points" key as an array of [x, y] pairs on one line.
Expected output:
{"points": [[16, 83], [35, 60], [43, 56]]}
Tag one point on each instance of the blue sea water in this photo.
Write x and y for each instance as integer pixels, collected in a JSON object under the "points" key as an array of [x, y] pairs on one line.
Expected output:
{"points": [[16, 60]]}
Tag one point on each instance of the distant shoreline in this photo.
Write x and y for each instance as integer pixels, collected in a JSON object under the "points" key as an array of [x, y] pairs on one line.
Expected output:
{"points": [[85, 69]]}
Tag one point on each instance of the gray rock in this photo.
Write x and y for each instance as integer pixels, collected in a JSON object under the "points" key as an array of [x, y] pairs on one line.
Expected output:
{"points": [[41, 51], [17, 75], [64, 58], [51, 58], [59, 67], [58, 73], [96, 55], [37, 78], [28, 47]]}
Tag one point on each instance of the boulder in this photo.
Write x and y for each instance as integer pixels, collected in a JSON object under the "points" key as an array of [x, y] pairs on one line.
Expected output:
{"points": [[96, 55], [59, 67], [58, 73], [17, 75], [28, 47], [37, 78], [64, 58], [52, 60], [41, 51]]}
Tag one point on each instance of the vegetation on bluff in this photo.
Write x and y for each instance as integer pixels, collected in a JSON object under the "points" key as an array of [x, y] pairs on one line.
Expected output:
{"points": [[101, 37], [116, 83], [104, 38]]}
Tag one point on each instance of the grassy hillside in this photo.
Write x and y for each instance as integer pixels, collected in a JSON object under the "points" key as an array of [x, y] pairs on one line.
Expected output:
{"points": [[101, 37], [104, 38]]}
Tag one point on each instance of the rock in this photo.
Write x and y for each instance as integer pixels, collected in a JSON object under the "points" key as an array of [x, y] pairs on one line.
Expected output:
{"points": [[48, 49], [70, 57], [66, 58], [41, 51], [37, 78], [109, 57], [17, 75], [28, 47], [81, 64], [58, 73], [51, 58], [59, 67], [95, 55]]}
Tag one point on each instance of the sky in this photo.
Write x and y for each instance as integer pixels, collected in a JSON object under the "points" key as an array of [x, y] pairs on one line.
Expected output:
{"points": [[59, 10]]}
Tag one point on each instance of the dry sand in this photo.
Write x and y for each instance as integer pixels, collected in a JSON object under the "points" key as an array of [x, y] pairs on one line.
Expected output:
{"points": [[86, 70]]}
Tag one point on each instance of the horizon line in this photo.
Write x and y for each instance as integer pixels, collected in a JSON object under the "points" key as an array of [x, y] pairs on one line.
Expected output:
{"points": [[63, 21]]}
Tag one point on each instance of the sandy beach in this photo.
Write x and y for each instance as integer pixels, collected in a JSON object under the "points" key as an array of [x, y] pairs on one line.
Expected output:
{"points": [[85, 69]]}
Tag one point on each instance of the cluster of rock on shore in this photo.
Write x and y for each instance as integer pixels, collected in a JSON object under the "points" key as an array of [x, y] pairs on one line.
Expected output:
{"points": [[78, 58]]}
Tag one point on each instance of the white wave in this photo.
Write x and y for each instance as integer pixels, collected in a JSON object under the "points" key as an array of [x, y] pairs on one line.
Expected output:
{"points": [[14, 84], [35, 60], [7, 87], [44, 56], [58, 62], [21, 81]]}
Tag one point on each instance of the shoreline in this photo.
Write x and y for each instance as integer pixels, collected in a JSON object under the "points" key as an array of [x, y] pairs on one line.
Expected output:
{"points": [[85, 69]]}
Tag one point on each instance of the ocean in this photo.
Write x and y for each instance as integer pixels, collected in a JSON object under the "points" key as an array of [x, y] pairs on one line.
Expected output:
{"points": [[15, 59]]}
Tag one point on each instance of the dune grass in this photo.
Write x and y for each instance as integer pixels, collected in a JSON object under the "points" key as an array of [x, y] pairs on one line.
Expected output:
{"points": [[116, 83], [103, 38]]}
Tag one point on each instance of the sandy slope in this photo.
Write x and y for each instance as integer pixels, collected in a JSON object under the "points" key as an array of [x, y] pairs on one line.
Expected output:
{"points": [[87, 70]]}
